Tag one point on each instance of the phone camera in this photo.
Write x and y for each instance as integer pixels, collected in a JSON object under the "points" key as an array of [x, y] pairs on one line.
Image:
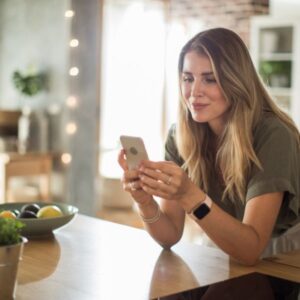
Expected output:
{"points": [[133, 150]]}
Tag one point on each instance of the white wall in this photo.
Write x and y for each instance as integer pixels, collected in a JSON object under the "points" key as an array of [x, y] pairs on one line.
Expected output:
{"points": [[285, 8], [33, 32]]}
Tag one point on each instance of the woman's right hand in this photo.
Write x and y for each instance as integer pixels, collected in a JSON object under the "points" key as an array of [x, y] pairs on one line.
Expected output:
{"points": [[131, 182]]}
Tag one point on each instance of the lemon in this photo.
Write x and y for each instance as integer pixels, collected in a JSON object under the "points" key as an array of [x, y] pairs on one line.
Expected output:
{"points": [[49, 211]]}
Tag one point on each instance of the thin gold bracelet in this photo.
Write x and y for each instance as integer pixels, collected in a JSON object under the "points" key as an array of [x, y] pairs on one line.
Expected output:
{"points": [[153, 219]]}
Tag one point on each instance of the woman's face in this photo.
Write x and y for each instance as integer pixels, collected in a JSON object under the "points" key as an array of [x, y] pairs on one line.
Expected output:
{"points": [[202, 93]]}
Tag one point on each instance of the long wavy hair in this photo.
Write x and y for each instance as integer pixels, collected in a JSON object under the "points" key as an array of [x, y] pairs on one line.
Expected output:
{"points": [[249, 101]]}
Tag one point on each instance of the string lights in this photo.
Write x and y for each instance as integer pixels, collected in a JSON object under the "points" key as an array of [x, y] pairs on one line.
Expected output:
{"points": [[71, 101]]}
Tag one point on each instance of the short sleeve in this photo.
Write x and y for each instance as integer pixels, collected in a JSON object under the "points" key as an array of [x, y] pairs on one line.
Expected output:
{"points": [[171, 152], [277, 149]]}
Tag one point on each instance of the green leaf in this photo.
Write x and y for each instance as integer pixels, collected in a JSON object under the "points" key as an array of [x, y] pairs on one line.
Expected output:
{"points": [[10, 231], [29, 85]]}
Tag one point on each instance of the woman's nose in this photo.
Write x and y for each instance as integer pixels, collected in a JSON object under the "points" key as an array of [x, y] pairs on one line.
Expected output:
{"points": [[197, 89]]}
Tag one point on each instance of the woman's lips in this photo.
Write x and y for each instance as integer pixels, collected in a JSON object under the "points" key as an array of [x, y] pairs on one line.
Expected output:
{"points": [[199, 106]]}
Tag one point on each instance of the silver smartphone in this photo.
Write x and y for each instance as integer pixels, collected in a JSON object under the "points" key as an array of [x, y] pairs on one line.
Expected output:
{"points": [[134, 149]]}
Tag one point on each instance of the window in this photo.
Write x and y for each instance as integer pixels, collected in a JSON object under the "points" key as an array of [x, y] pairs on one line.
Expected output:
{"points": [[133, 78], [139, 77]]}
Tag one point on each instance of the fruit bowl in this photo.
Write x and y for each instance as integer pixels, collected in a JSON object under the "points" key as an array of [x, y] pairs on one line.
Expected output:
{"points": [[42, 226]]}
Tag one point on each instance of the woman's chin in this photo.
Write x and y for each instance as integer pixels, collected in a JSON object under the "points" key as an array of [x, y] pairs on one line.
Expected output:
{"points": [[199, 119]]}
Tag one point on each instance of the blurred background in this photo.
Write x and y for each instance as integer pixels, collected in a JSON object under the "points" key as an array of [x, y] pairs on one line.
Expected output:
{"points": [[75, 75]]}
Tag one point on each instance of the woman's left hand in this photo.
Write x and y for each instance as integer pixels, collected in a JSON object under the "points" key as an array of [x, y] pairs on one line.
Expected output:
{"points": [[164, 179]]}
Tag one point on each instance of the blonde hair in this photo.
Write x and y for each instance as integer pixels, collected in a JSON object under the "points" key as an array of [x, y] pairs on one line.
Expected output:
{"points": [[249, 101]]}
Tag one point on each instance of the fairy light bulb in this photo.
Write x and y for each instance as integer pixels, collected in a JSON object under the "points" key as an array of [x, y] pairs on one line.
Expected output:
{"points": [[66, 158], [69, 13], [71, 128], [72, 101], [74, 43], [74, 71]]}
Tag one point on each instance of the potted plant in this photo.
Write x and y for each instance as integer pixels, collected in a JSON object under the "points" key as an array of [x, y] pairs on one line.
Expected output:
{"points": [[276, 73], [11, 247], [29, 84]]}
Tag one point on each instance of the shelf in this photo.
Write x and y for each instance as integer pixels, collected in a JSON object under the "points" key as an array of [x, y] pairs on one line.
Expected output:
{"points": [[283, 102], [277, 74], [275, 49], [276, 56], [280, 91]]}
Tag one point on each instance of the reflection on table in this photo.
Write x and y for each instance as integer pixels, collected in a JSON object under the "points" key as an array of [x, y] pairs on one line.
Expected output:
{"points": [[32, 272]]}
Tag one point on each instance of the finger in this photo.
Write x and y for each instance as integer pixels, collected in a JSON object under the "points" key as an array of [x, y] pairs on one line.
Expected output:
{"points": [[163, 166], [122, 161], [131, 175], [135, 185], [132, 185], [156, 184], [158, 175], [127, 187], [155, 192]]}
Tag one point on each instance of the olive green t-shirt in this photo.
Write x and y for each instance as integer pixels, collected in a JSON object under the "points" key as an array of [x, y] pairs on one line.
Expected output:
{"points": [[277, 149]]}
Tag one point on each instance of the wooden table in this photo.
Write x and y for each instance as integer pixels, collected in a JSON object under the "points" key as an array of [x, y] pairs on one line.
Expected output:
{"points": [[94, 259], [28, 164]]}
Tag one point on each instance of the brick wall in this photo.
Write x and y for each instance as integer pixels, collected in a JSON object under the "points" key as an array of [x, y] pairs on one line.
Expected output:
{"points": [[232, 14]]}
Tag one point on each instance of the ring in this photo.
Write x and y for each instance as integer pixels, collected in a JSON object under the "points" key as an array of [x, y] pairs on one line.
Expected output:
{"points": [[131, 185], [169, 180]]}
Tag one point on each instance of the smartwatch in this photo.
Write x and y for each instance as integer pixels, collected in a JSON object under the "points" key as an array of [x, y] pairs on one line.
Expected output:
{"points": [[201, 209]]}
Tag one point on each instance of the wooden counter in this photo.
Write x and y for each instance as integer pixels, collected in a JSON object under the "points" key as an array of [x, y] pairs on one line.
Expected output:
{"points": [[94, 259]]}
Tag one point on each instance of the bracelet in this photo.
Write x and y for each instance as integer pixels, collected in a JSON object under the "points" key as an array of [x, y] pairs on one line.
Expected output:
{"points": [[153, 219]]}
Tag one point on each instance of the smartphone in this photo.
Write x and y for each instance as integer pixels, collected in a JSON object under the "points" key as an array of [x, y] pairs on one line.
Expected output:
{"points": [[134, 149]]}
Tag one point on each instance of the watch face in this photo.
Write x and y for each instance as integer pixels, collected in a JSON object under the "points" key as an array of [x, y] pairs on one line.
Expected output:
{"points": [[201, 211]]}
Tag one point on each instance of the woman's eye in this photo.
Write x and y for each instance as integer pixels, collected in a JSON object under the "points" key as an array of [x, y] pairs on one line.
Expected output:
{"points": [[209, 80], [187, 79]]}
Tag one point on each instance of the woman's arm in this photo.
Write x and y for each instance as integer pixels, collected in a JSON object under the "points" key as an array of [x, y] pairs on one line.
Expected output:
{"points": [[168, 229], [244, 241]]}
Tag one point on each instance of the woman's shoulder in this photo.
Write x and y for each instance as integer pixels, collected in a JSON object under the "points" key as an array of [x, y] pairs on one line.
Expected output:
{"points": [[172, 129], [271, 127], [270, 123], [171, 151], [171, 135]]}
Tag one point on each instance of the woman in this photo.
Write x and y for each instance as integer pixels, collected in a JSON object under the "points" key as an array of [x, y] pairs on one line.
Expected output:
{"points": [[232, 160]]}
